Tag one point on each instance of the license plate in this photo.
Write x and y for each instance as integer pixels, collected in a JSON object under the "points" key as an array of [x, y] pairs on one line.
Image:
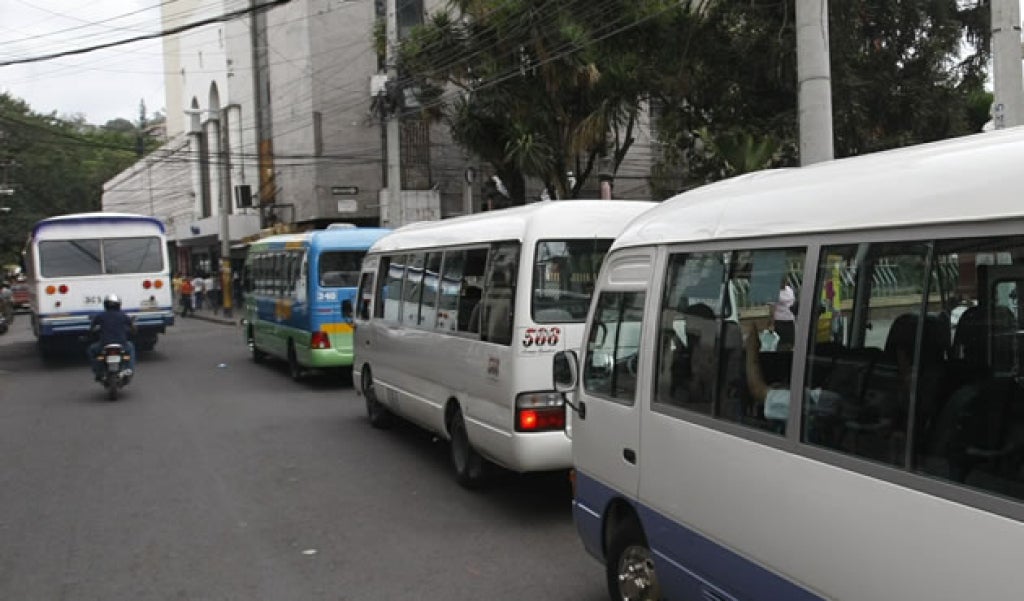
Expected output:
{"points": [[148, 303], [113, 359]]}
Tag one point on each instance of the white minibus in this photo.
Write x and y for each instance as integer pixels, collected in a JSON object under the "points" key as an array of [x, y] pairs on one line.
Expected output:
{"points": [[809, 384], [456, 322], [73, 261]]}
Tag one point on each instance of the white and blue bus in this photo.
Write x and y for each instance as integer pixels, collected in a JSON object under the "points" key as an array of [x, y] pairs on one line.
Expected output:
{"points": [[880, 454], [73, 261], [457, 321], [299, 296]]}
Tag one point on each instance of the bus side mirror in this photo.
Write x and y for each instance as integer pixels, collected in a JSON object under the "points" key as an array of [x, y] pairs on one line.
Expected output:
{"points": [[565, 370]]}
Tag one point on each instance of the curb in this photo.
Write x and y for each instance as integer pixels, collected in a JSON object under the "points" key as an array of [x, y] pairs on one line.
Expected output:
{"points": [[226, 321]]}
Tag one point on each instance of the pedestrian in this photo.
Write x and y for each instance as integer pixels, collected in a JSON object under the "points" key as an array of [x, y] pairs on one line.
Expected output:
{"points": [[187, 291], [212, 285], [198, 291]]}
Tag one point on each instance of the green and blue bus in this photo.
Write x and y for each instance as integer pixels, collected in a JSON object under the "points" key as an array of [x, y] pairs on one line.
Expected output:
{"points": [[299, 295]]}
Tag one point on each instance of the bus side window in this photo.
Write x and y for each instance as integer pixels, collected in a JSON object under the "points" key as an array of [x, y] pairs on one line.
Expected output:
{"points": [[688, 365], [499, 300], [613, 350], [472, 290], [365, 296], [428, 304], [451, 289]]}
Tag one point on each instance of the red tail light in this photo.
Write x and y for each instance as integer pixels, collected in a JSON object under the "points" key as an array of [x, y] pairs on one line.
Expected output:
{"points": [[540, 420], [63, 289], [146, 284], [320, 341]]}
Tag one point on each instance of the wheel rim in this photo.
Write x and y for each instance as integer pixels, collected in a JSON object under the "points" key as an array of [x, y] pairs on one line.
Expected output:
{"points": [[637, 580]]}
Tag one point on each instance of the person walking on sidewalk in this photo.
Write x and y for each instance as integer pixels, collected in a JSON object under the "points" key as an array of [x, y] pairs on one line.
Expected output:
{"points": [[186, 296], [198, 291], [212, 285]]}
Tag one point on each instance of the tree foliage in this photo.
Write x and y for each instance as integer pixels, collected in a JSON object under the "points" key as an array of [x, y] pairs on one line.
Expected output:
{"points": [[542, 88], [537, 88], [902, 73], [54, 166]]}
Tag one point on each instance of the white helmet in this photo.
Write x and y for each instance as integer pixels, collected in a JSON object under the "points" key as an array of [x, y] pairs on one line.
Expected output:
{"points": [[112, 302]]}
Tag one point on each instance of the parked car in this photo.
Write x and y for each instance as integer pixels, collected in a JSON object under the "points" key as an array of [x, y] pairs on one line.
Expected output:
{"points": [[19, 294]]}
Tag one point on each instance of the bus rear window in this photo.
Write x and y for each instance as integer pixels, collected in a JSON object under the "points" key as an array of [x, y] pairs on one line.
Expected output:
{"points": [[69, 258], [66, 258], [340, 269], [564, 273], [133, 255]]}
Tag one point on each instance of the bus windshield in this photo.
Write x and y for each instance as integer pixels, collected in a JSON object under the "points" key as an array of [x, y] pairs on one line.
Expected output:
{"points": [[564, 273], [340, 269], [68, 258]]}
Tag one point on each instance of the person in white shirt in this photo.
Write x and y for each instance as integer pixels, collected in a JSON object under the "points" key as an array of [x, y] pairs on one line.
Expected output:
{"points": [[199, 288], [783, 321]]}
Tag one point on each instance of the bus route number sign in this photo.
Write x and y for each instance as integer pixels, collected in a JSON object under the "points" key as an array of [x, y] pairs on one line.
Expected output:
{"points": [[541, 340]]}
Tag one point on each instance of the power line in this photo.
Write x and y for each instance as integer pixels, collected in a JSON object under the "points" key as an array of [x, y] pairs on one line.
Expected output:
{"points": [[160, 34]]}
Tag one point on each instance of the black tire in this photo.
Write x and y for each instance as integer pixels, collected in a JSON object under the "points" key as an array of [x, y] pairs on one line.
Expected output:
{"points": [[630, 566], [294, 369], [111, 388], [257, 355], [377, 413], [470, 468]]}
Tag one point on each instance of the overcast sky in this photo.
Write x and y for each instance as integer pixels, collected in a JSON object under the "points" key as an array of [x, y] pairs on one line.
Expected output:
{"points": [[101, 85]]}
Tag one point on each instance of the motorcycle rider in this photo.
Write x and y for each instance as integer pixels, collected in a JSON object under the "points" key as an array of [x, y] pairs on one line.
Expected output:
{"points": [[113, 327]]}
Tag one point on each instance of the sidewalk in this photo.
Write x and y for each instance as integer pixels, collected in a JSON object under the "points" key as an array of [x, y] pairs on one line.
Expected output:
{"points": [[207, 314]]}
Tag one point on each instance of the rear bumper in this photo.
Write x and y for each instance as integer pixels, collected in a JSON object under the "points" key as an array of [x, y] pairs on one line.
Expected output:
{"points": [[75, 325]]}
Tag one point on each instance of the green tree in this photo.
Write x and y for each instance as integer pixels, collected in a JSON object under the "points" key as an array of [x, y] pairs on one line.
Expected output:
{"points": [[54, 166], [902, 73], [539, 88]]}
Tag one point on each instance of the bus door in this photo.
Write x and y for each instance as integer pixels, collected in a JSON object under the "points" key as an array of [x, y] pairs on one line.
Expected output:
{"points": [[606, 427]]}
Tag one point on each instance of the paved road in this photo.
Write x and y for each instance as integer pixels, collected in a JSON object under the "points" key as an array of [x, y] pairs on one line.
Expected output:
{"points": [[214, 478]]}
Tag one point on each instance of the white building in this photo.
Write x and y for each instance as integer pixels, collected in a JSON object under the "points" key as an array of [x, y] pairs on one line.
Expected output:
{"points": [[277, 105]]}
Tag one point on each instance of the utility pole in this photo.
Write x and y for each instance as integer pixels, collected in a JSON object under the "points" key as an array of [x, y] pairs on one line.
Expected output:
{"points": [[225, 214], [814, 86], [261, 96], [1007, 85], [396, 209]]}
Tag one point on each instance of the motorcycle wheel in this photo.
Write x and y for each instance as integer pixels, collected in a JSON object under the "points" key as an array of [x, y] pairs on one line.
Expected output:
{"points": [[112, 387]]}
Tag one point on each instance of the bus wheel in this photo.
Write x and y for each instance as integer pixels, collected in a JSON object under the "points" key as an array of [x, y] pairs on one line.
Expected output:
{"points": [[630, 566], [469, 465], [379, 416], [294, 369]]}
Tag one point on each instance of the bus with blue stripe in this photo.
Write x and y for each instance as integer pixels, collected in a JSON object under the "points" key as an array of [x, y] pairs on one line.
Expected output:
{"points": [[73, 261], [878, 452], [299, 295]]}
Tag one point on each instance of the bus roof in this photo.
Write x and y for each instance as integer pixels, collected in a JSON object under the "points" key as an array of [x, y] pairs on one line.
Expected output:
{"points": [[356, 238], [537, 221], [93, 219], [973, 178]]}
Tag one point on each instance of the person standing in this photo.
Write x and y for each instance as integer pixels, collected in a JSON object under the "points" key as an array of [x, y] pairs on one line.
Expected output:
{"points": [[198, 291], [783, 320], [213, 290], [187, 290]]}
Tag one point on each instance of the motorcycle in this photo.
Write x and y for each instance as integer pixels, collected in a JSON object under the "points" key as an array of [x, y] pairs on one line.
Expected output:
{"points": [[116, 374]]}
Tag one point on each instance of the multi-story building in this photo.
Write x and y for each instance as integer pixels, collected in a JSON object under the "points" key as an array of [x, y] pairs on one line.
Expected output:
{"points": [[272, 121]]}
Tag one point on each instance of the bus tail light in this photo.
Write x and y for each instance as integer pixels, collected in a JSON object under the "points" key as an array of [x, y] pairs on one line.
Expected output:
{"points": [[540, 412], [320, 341], [63, 289], [146, 284], [158, 284]]}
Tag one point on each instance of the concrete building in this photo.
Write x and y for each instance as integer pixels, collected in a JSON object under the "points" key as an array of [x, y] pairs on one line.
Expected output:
{"points": [[277, 107]]}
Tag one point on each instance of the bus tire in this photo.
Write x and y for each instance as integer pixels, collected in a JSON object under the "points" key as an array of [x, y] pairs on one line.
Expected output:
{"points": [[377, 413], [470, 467], [294, 369], [629, 566]]}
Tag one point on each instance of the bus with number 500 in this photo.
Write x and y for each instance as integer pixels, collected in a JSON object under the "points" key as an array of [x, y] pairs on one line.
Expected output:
{"points": [[457, 320]]}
